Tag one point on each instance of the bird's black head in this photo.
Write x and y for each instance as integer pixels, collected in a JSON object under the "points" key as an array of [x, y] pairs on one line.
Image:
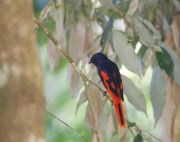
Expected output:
{"points": [[97, 58]]}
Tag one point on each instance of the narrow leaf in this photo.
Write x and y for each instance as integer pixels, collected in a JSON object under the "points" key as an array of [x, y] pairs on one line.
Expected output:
{"points": [[150, 26], [131, 124], [75, 81], [176, 61], [143, 33], [165, 62], [46, 11], [53, 56], [133, 7], [106, 32], [134, 95], [126, 52], [157, 92], [77, 40]]}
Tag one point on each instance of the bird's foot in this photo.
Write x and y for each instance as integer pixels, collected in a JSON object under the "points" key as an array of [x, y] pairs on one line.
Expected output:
{"points": [[105, 94]]}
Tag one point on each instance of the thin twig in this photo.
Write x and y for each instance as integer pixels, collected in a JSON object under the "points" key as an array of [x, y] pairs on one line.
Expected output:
{"points": [[67, 125], [71, 61], [96, 130], [148, 136], [131, 132]]}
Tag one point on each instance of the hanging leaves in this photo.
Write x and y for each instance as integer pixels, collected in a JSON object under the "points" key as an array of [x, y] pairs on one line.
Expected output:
{"points": [[77, 40], [134, 95], [125, 52], [157, 92]]}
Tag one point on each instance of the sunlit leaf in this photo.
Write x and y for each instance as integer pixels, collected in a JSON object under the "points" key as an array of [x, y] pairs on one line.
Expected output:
{"points": [[138, 138], [157, 92], [125, 52], [134, 95], [176, 61]]}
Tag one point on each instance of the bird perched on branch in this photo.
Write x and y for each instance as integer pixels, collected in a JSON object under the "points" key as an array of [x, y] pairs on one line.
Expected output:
{"points": [[111, 79]]}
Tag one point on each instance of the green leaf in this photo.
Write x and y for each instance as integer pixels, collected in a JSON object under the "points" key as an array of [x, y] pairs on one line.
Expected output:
{"points": [[150, 26], [106, 32], [126, 53], [134, 95], [131, 124], [157, 92], [165, 62], [176, 61], [138, 138], [145, 36]]}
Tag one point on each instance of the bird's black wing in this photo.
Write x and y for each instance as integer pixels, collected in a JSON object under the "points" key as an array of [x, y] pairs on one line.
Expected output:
{"points": [[109, 73]]}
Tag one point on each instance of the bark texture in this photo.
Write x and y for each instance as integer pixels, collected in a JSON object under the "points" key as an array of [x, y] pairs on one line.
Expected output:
{"points": [[21, 84]]}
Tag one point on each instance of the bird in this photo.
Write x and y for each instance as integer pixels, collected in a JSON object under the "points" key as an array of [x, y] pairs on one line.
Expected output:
{"points": [[111, 78]]}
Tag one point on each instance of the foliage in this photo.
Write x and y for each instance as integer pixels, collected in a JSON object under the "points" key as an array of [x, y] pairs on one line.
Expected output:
{"points": [[84, 27]]}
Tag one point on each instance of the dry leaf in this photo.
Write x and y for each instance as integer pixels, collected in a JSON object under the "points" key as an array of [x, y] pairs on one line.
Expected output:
{"points": [[53, 55], [133, 7], [171, 113], [175, 27], [75, 81], [168, 114], [110, 129], [82, 99], [77, 39], [97, 104], [157, 92]]}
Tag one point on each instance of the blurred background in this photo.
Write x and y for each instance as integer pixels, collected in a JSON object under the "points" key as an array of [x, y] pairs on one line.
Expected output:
{"points": [[142, 37], [61, 101]]}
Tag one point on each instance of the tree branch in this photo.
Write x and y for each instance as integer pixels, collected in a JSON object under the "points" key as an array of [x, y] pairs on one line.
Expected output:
{"points": [[146, 135], [67, 125], [84, 78]]}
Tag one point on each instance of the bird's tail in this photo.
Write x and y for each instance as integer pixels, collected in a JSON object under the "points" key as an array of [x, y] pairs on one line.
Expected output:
{"points": [[120, 113]]}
